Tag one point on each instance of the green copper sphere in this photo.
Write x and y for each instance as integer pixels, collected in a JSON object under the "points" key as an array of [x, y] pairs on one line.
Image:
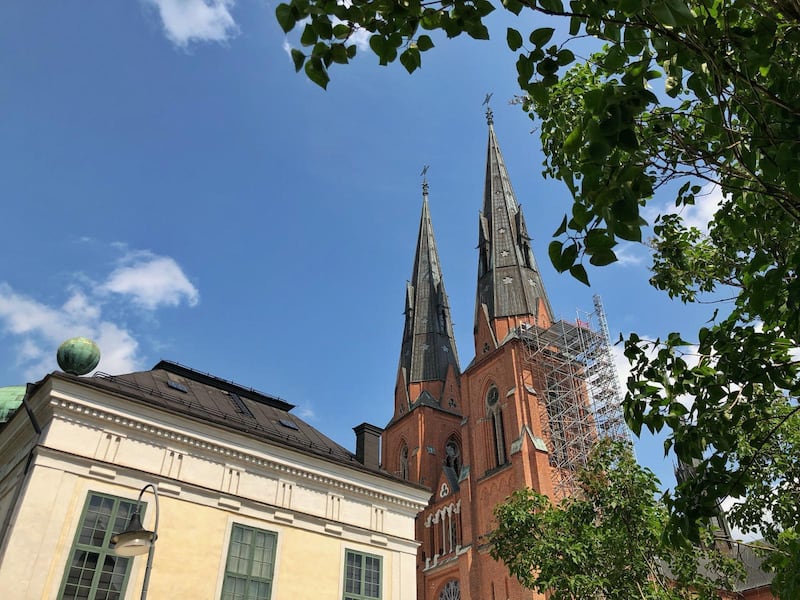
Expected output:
{"points": [[78, 356]]}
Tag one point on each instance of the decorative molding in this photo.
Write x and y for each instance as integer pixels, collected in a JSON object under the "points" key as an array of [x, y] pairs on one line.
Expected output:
{"points": [[58, 401], [102, 472], [284, 516], [379, 540], [168, 488], [229, 503], [537, 442]]}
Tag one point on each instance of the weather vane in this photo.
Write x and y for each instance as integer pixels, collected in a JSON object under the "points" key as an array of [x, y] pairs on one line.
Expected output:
{"points": [[424, 175], [489, 113]]}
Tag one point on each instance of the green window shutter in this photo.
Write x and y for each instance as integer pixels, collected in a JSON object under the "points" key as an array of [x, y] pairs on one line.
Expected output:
{"points": [[362, 576], [250, 565], [93, 571]]}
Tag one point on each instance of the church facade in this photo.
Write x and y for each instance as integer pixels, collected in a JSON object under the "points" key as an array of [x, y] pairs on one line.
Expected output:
{"points": [[523, 413], [475, 435]]}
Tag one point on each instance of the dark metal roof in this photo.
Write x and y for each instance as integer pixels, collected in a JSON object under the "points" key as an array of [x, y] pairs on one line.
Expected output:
{"points": [[428, 343], [755, 575], [509, 282], [221, 402]]}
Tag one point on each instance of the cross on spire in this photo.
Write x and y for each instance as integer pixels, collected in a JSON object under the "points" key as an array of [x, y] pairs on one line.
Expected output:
{"points": [[489, 112]]}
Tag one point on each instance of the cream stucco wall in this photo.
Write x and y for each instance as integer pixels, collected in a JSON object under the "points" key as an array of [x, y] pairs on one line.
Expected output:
{"points": [[208, 480]]}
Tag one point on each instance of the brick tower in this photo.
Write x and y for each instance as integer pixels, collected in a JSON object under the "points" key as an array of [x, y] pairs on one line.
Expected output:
{"points": [[475, 436]]}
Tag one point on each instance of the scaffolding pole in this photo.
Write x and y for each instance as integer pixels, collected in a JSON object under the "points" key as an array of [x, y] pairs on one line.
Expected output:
{"points": [[572, 363]]}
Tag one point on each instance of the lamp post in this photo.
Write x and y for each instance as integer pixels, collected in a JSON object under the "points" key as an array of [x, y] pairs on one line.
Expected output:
{"points": [[136, 540]]}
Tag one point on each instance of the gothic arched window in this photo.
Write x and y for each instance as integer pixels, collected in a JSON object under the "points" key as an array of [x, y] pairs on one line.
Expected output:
{"points": [[451, 591], [404, 461], [495, 415], [452, 455]]}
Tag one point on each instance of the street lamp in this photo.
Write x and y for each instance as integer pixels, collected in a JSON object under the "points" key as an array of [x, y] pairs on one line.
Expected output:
{"points": [[136, 540]]}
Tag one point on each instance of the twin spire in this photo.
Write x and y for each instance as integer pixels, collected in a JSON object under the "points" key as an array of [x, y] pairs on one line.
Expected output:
{"points": [[429, 346], [509, 283]]}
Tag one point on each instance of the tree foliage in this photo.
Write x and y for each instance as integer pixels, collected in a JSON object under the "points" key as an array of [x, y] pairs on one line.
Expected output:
{"points": [[637, 98], [608, 543]]}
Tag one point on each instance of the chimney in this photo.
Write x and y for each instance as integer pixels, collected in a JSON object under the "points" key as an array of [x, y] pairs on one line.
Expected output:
{"points": [[368, 443]]}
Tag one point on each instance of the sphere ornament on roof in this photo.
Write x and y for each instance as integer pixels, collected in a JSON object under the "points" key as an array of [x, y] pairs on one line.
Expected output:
{"points": [[78, 356]]}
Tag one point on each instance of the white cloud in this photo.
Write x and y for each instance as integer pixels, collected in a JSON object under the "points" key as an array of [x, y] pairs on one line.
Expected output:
{"points": [[360, 38], [40, 329], [187, 21], [35, 328], [306, 413], [118, 349], [79, 308], [698, 215], [737, 533], [630, 254], [22, 315], [151, 281], [623, 367]]}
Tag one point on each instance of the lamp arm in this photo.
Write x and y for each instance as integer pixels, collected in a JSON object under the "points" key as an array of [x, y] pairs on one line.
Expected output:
{"points": [[152, 548], [139, 503]]}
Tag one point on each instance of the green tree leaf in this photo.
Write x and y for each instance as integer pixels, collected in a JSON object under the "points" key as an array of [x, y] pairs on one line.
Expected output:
{"points": [[285, 18], [514, 39], [539, 37], [316, 72], [298, 58], [424, 43]]}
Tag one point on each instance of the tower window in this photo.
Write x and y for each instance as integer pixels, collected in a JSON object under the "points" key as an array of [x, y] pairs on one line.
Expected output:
{"points": [[492, 396], [404, 462], [497, 434], [452, 455]]}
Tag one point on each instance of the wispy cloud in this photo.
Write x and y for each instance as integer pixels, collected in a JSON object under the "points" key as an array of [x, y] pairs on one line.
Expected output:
{"points": [[750, 535], [151, 281], [36, 328], [192, 21], [630, 254], [690, 355], [358, 38], [306, 413], [698, 215]]}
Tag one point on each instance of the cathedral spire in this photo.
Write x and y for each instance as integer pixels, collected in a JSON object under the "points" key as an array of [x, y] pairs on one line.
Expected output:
{"points": [[429, 347], [509, 283]]}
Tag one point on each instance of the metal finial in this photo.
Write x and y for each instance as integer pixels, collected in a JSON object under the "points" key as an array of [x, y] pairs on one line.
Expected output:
{"points": [[424, 175], [489, 113]]}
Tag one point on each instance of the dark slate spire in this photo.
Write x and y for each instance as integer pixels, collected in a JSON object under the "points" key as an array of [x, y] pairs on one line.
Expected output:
{"points": [[428, 343], [509, 283]]}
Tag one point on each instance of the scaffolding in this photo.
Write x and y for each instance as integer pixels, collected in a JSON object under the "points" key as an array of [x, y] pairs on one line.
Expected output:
{"points": [[572, 363]]}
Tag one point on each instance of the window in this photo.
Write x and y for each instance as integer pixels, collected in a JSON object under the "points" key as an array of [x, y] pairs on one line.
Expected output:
{"points": [[451, 591], [93, 571], [362, 576], [495, 415], [452, 453], [404, 461], [175, 385], [251, 560]]}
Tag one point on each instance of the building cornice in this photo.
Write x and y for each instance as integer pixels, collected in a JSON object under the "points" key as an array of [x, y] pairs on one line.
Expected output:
{"points": [[68, 408]]}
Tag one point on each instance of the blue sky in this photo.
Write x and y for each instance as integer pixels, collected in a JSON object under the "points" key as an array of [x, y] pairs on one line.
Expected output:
{"points": [[171, 188]]}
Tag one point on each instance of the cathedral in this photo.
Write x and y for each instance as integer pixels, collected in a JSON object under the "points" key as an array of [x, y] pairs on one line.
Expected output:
{"points": [[471, 436], [523, 413]]}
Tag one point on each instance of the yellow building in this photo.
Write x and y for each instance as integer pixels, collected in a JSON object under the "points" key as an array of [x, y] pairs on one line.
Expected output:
{"points": [[253, 503]]}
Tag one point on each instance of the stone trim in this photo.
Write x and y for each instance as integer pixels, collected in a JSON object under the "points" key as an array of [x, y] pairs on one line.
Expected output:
{"points": [[140, 426]]}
